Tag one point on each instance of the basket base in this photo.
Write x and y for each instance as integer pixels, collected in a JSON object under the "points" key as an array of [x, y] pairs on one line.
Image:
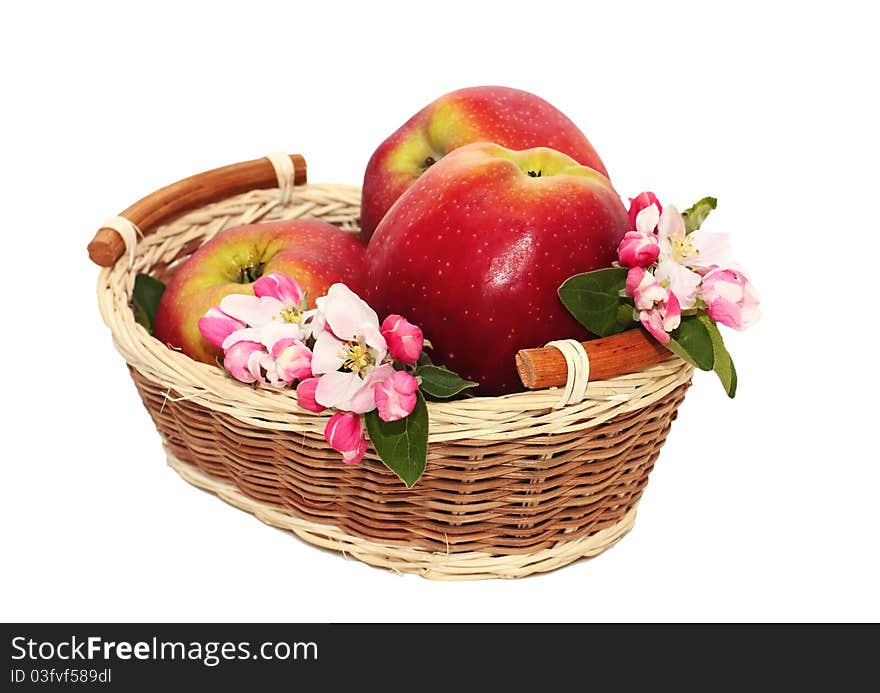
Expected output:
{"points": [[471, 565]]}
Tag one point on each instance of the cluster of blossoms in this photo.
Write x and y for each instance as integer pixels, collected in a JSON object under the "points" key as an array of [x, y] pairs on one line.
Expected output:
{"points": [[337, 355], [671, 271]]}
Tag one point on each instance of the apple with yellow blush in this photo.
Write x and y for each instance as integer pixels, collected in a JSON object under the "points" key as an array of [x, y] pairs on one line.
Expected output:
{"points": [[316, 254]]}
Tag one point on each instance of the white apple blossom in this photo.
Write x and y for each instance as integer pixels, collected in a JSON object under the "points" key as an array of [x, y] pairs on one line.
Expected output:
{"points": [[348, 352], [684, 257]]}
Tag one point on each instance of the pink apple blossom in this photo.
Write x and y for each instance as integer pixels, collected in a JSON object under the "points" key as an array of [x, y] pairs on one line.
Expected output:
{"points": [[274, 312], [292, 360], [644, 288], [639, 203], [396, 396], [244, 360], [638, 249], [685, 257], [345, 434], [305, 395], [730, 298], [662, 318], [658, 308], [404, 339], [348, 347], [216, 326]]}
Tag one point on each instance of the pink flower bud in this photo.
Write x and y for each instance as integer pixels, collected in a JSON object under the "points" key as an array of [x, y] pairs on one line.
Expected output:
{"points": [[404, 339], [344, 434], [396, 396], [638, 249], [216, 326], [293, 359], [305, 395], [662, 318], [279, 285], [640, 202], [730, 298], [243, 360], [644, 288]]}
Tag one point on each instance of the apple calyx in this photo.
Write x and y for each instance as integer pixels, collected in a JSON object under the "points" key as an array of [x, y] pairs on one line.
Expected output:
{"points": [[249, 274], [533, 174]]}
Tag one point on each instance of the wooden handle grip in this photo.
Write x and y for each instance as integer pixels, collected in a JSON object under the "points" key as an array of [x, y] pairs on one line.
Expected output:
{"points": [[619, 354], [173, 200]]}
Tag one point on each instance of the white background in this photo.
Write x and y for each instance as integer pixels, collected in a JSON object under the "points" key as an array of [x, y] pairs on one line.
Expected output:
{"points": [[762, 508]]}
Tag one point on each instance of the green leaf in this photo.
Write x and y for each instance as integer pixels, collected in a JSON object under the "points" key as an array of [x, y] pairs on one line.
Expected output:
{"points": [[625, 315], [724, 367], [145, 299], [402, 444], [441, 382], [691, 341], [696, 214], [593, 298]]}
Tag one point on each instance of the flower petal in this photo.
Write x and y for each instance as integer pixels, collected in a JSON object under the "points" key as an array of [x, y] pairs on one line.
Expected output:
{"points": [[730, 298], [247, 334], [671, 313], [647, 219], [374, 339], [293, 360], [275, 331], [682, 282], [346, 312], [670, 226], [405, 340], [396, 396], [326, 356], [638, 249], [239, 360], [305, 395], [337, 388], [712, 249], [345, 434], [280, 286], [364, 399], [216, 326], [640, 202], [252, 310]]}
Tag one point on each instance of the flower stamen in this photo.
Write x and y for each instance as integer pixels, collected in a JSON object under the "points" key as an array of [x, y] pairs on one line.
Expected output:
{"points": [[356, 356], [292, 315], [683, 247]]}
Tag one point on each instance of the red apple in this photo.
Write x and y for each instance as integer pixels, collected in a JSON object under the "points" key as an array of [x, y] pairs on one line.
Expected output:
{"points": [[314, 253], [509, 117], [475, 251]]}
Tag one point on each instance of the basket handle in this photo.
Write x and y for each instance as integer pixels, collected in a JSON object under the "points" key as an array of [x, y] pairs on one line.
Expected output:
{"points": [[169, 202], [620, 354]]}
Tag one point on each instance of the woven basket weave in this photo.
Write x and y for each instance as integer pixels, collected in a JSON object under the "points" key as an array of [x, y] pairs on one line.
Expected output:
{"points": [[513, 486]]}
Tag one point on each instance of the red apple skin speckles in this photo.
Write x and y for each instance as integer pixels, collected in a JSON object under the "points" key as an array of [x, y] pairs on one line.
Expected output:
{"points": [[509, 117], [475, 251], [314, 253]]}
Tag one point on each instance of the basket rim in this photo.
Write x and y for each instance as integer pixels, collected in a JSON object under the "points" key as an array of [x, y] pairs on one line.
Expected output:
{"points": [[489, 417]]}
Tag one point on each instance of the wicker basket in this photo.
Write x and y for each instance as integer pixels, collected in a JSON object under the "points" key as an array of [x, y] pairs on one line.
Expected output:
{"points": [[513, 485]]}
